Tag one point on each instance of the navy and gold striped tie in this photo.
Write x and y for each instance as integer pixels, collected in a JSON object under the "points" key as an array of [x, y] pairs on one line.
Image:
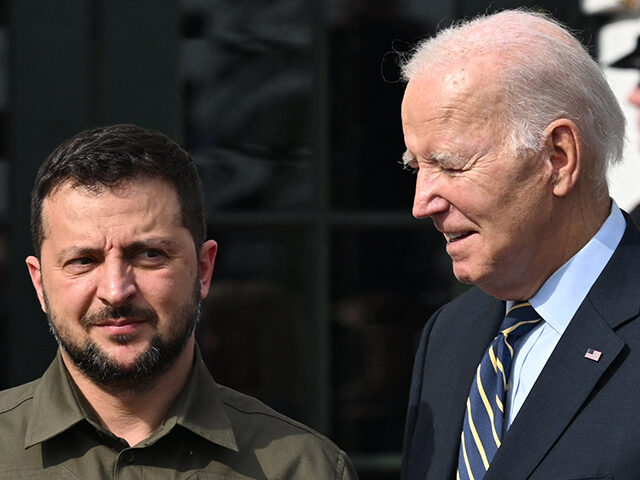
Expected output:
{"points": [[483, 422]]}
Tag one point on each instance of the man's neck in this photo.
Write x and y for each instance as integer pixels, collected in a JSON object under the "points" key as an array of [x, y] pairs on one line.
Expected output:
{"points": [[576, 223], [135, 415]]}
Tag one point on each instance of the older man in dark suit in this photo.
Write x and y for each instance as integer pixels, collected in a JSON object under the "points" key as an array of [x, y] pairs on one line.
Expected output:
{"points": [[510, 127]]}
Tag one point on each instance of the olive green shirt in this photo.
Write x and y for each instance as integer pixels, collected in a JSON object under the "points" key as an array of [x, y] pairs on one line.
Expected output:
{"points": [[48, 431]]}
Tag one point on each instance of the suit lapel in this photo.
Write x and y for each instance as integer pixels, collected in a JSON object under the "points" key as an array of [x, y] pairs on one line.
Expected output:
{"points": [[562, 387], [471, 330], [568, 378], [450, 350]]}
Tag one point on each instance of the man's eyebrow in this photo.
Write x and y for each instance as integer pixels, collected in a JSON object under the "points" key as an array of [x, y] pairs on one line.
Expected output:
{"points": [[408, 158], [153, 241], [441, 158], [80, 251], [149, 243], [74, 252]]}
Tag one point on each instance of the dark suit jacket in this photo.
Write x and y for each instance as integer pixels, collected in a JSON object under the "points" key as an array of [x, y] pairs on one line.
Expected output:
{"points": [[635, 215], [581, 420]]}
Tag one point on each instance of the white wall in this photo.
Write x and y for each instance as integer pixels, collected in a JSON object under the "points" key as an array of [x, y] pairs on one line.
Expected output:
{"points": [[616, 40]]}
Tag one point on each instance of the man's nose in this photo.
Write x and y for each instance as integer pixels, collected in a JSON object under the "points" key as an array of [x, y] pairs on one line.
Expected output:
{"points": [[427, 200], [116, 283]]}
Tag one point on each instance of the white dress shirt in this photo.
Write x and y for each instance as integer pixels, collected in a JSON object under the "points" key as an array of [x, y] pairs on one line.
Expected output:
{"points": [[557, 302]]}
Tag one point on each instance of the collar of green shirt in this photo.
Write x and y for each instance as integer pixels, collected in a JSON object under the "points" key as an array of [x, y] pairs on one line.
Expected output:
{"points": [[58, 406]]}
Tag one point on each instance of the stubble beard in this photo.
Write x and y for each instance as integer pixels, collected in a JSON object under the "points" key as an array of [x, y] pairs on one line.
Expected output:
{"points": [[148, 367]]}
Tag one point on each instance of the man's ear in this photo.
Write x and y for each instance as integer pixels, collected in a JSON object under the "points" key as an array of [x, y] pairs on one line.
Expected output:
{"points": [[206, 260], [33, 264], [564, 147]]}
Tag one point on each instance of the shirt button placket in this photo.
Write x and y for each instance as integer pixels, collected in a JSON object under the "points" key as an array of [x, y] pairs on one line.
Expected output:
{"points": [[127, 458]]}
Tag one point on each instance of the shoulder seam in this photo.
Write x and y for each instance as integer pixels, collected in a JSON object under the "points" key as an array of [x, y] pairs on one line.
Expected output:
{"points": [[293, 423], [16, 405]]}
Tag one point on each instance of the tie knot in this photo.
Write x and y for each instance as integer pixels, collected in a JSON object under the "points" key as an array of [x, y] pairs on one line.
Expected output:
{"points": [[520, 319]]}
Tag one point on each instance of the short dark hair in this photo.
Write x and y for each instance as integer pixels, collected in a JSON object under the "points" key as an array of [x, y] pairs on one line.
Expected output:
{"points": [[106, 156]]}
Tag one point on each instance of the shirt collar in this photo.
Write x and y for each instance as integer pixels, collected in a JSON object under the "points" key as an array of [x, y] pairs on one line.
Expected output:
{"points": [[560, 296], [201, 410], [198, 408], [55, 407]]}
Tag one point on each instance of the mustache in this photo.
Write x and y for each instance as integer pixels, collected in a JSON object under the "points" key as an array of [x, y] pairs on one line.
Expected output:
{"points": [[113, 313]]}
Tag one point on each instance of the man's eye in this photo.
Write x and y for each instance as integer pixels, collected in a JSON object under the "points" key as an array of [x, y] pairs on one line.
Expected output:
{"points": [[410, 165], [453, 167], [411, 169], [150, 256], [80, 264], [82, 261]]}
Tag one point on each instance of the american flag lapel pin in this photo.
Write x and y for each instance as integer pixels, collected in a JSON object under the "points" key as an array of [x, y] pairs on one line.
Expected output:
{"points": [[593, 354]]}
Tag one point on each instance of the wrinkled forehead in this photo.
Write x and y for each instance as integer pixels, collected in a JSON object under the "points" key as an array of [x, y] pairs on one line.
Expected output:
{"points": [[470, 93], [480, 77]]}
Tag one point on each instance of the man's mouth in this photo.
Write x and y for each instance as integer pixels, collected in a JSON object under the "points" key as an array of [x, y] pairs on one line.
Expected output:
{"points": [[121, 327], [119, 322], [453, 237]]}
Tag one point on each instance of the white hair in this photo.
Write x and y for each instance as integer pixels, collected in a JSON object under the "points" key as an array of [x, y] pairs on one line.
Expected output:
{"points": [[545, 74]]}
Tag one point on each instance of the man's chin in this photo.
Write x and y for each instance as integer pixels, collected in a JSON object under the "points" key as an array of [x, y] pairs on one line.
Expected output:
{"points": [[119, 368], [124, 355], [463, 274]]}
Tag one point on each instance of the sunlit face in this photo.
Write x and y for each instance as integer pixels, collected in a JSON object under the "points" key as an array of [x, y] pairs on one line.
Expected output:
{"points": [[493, 208], [120, 279]]}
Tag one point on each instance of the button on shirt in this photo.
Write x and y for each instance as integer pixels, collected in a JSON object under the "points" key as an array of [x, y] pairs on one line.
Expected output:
{"points": [[48, 431], [557, 302]]}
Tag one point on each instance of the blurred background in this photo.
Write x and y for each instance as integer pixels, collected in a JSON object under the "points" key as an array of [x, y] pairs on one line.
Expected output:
{"points": [[291, 109]]}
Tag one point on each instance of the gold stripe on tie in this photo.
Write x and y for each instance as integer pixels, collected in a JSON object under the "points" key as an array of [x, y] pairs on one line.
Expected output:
{"points": [[518, 305], [476, 438], [466, 459], [494, 360], [487, 407], [501, 368], [507, 331], [509, 347], [499, 403]]}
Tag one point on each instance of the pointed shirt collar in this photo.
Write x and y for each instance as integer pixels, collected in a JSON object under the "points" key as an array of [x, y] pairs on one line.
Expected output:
{"points": [[560, 296], [58, 406]]}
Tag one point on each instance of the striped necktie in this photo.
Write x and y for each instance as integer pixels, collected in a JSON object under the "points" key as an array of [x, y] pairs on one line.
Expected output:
{"points": [[483, 422]]}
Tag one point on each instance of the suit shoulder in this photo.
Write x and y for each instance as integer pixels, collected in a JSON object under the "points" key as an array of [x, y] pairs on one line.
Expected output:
{"points": [[468, 310], [474, 297]]}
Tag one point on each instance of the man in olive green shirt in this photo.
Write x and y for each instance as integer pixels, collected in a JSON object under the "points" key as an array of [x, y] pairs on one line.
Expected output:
{"points": [[120, 267]]}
